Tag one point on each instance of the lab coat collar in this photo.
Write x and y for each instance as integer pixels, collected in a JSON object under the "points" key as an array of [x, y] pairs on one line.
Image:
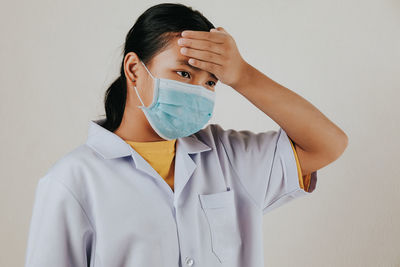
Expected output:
{"points": [[110, 146]]}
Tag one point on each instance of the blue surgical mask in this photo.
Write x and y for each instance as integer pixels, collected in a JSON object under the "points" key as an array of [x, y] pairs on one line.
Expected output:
{"points": [[178, 109]]}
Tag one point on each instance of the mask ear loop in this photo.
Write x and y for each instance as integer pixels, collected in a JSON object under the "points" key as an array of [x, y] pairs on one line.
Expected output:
{"points": [[147, 69], [139, 97], [137, 93]]}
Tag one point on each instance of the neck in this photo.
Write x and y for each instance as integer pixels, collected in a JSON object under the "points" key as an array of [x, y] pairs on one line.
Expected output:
{"points": [[134, 125]]}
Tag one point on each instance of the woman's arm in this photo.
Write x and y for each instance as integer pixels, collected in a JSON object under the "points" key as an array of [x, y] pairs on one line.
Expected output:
{"points": [[60, 233], [318, 141]]}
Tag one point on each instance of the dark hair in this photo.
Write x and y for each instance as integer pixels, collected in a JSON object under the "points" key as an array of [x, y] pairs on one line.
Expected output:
{"points": [[149, 35]]}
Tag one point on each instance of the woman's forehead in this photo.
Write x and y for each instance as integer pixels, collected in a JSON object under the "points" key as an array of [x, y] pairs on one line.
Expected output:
{"points": [[172, 51]]}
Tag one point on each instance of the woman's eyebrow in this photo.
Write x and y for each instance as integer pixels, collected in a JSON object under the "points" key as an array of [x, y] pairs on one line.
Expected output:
{"points": [[184, 62]]}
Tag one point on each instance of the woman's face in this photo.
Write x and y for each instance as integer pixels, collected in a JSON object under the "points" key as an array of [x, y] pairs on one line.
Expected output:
{"points": [[168, 64]]}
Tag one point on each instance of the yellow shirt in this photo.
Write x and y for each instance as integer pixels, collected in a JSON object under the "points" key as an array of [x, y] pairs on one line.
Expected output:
{"points": [[161, 156], [304, 181]]}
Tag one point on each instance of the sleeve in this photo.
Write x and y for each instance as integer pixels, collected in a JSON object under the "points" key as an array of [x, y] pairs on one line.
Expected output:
{"points": [[266, 166], [60, 233]]}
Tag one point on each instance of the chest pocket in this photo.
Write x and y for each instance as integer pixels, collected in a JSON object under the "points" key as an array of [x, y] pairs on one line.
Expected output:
{"points": [[220, 211]]}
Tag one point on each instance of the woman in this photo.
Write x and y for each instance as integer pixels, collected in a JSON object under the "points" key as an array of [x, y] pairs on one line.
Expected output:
{"points": [[151, 186]]}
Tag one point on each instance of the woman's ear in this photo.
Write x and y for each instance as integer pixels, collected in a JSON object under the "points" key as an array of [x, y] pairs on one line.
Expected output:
{"points": [[131, 62]]}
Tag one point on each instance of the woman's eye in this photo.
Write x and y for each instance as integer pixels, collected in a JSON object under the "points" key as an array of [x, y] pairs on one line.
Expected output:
{"points": [[212, 84], [184, 74]]}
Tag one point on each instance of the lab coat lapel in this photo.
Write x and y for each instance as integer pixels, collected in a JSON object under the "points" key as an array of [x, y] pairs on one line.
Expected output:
{"points": [[144, 166], [184, 163], [111, 146]]}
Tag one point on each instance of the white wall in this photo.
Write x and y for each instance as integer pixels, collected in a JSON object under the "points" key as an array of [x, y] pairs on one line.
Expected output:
{"points": [[57, 59]]}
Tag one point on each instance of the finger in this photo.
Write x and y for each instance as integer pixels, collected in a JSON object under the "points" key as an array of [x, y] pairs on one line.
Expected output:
{"points": [[222, 29], [202, 55], [216, 37], [219, 29], [207, 66], [201, 45]]}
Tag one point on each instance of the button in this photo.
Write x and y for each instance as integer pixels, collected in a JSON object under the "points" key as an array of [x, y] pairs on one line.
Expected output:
{"points": [[189, 261]]}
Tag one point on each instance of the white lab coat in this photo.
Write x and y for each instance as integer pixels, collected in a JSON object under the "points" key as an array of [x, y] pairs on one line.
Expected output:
{"points": [[103, 205]]}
